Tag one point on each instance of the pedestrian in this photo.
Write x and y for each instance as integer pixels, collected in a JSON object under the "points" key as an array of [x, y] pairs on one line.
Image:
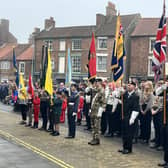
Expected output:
{"points": [[164, 121], [73, 101], [64, 106], [29, 104], [36, 108], [80, 108], [97, 108], [23, 104], [57, 106], [44, 107], [130, 113]]}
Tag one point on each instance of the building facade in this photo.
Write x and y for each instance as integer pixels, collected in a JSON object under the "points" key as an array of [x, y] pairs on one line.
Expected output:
{"points": [[142, 43], [78, 39]]}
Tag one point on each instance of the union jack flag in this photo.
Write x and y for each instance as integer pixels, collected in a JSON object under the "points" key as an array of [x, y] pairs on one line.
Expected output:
{"points": [[159, 50]]}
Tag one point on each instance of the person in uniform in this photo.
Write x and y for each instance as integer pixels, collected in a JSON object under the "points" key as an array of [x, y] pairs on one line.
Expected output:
{"points": [[44, 107], [97, 108], [130, 113], [73, 102], [164, 129]]}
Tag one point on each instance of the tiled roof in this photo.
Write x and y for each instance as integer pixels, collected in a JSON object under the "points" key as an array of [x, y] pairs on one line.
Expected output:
{"points": [[6, 51], [106, 29], [146, 27], [26, 55], [109, 28], [65, 32]]}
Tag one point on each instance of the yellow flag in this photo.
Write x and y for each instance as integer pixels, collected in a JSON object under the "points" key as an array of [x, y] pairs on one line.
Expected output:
{"points": [[117, 33], [120, 47], [48, 81], [22, 89], [21, 82]]}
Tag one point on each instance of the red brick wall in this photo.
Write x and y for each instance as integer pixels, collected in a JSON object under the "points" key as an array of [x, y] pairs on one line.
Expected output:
{"points": [[139, 56]]}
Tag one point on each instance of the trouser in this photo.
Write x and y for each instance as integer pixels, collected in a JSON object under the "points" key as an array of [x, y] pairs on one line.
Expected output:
{"points": [[127, 134], [117, 118], [157, 126], [165, 142], [30, 114], [109, 118], [71, 125], [103, 123], [36, 115], [86, 109], [44, 110], [50, 116], [146, 125], [95, 123], [23, 109]]}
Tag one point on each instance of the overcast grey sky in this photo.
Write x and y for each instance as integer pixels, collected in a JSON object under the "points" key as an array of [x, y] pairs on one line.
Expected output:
{"points": [[24, 15]]}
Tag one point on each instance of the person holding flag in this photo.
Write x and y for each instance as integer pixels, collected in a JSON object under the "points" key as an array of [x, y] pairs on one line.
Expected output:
{"points": [[23, 97], [159, 58]]}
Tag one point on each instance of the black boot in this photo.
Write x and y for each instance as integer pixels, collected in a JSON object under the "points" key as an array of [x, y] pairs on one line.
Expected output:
{"points": [[95, 142]]}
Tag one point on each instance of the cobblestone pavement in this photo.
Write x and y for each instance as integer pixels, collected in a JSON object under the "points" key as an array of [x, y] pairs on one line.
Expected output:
{"points": [[77, 152]]}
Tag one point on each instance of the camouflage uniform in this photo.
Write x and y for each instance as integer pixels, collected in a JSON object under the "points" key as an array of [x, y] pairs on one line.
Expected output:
{"points": [[97, 102]]}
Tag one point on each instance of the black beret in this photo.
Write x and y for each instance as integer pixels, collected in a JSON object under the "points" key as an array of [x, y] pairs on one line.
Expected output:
{"points": [[99, 80], [132, 83]]}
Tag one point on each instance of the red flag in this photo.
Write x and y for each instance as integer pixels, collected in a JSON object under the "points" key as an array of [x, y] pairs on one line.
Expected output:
{"points": [[30, 87], [92, 59]]}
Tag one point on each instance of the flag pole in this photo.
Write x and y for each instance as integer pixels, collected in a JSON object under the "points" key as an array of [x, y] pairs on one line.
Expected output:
{"points": [[164, 73]]}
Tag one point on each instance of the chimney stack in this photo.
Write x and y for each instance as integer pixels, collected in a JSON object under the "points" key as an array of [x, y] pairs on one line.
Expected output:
{"points": [[49, 23], [111, 9], [32, 36]]}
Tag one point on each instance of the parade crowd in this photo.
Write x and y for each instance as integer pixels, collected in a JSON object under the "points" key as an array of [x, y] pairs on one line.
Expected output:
{"points": [[107, 108]]}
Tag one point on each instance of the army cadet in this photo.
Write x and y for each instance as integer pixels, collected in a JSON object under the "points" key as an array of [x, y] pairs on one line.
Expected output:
{"points": [[130, 113], [97, 108], [73, 101]]}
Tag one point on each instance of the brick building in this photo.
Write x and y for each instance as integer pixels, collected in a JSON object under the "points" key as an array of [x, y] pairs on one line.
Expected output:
{"points": [[24, 53], [78, 39], [142, 42]]}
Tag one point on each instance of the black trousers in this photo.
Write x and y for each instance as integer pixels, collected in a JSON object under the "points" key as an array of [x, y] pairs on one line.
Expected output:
{"points": [[103, 123], [109, 118], [86, 112], [157, 126], [127, 134], [165, 142], [71, 125], [23, 108], [44, 112], [50, 118], [145, 125]]}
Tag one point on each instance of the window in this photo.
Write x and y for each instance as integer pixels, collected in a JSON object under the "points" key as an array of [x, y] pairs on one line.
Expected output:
{"points": [[5, 65], [76, 63], [76, 44], [101, 62], [61, 66], [150, 72], [49, 44], [151, 45], [62, 45], [52, 64], [102, 43], [22, 67]]}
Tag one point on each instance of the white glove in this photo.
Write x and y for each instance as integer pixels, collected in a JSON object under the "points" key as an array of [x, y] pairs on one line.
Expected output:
{"points": [[164, 86], [73, 114], [133, 117], [89, 110], [100, 111]]}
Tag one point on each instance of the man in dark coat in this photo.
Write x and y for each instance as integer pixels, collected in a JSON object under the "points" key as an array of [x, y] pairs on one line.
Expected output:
{"points": [[73, 101], [130, 113]]}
